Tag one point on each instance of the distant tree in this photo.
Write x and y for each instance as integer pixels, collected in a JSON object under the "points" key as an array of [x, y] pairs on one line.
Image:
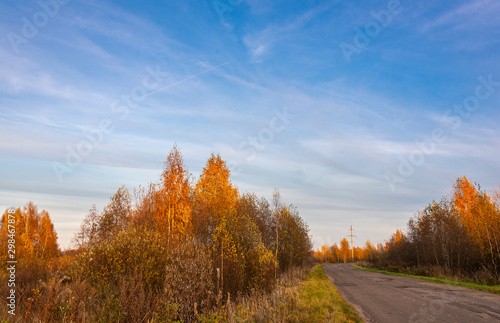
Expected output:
{"points": [[399, 248], [116, 214], [97, 227], [327, 253], [359, 253], [345, 251], [336, 252], [89, 229], [370, 252]]}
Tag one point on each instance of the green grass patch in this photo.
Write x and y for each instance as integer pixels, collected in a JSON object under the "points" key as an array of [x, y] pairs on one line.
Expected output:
{"points": [[484, 288], [319, 301]]}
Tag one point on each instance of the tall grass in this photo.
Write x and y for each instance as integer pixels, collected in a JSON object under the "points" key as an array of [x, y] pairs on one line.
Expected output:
{"points": [[301, 294]]}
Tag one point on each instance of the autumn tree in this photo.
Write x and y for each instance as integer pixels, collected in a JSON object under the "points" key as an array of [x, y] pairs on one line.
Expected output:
{"points": [[215, 198], [27, 230], [145, 205], [324, 254], [399, 248], [47, 241], [359, 253], [173, 212], [327, 253], [258, 257], [344, 251], [260, 212], [36, 238], [100, 226], [439, 238], [116, 214], [336, 252], [228, 260], [370, 252], [89, 229], [294, 243], [240, 256], [480, 217]]}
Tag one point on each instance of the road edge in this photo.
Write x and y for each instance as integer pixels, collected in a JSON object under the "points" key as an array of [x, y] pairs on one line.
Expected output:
{"points": [[365, 317]]}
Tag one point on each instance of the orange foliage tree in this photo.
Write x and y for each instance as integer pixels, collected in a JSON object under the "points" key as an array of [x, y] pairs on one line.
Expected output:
{"points": [[36, 238], [215, 198], [345, 251], [481, 217], [213, 222], [326, 253], [370, 253], [173, 199]]}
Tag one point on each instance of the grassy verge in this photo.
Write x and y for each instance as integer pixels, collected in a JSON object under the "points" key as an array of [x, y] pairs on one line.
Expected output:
{"points": [[301, 295], [319, 301], [484, 288]]}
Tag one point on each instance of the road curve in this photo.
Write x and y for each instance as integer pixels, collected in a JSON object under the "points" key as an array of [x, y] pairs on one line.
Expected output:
{"points": [[386, 298]]}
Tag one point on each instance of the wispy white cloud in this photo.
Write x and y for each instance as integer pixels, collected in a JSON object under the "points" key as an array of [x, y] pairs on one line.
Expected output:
{"points": [[470, 14], [259, 43]]}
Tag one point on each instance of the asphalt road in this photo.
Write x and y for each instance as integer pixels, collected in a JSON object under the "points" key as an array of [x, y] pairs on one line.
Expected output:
{"points": [[386, 298]]}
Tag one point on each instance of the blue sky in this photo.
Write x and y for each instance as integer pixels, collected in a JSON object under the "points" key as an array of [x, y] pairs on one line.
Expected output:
{"points": [[361, 113]]}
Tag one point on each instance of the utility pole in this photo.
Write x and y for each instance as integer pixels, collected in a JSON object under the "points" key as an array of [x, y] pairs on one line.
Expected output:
{"points": [[352, 243], [352, 247]]}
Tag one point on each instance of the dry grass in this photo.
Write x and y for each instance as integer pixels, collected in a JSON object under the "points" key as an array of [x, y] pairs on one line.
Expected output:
{"points": [[302, 295], [275, 306]]}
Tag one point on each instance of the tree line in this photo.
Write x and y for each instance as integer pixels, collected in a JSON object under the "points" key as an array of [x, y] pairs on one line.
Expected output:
{"points": [[181, 249], [457, 236]]}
